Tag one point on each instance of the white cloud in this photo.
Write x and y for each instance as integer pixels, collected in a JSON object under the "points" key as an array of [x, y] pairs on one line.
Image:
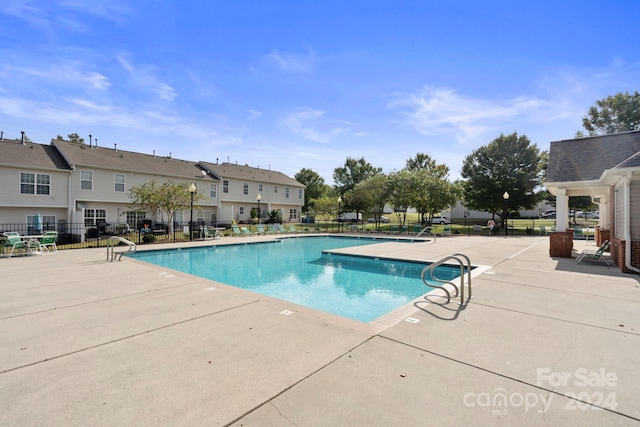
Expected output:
{"points": [[314, 125], [443, 111], [143, 76], [291, 62], [71, 73]]}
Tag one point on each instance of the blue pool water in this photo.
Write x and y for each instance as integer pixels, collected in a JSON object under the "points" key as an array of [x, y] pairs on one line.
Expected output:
{"points": [[296, 270]]}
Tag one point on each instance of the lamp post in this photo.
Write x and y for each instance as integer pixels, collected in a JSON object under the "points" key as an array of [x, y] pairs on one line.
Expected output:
{"points": [[258, 197], [505, 197], [192, 190], [339, 201]]}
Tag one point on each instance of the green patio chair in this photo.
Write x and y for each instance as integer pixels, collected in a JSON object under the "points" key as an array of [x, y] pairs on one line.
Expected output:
{"points": [[595, 255], [48, 242], [13, 240]]}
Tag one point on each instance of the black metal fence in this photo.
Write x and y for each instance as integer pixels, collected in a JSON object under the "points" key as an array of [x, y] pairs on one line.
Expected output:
{"points": [[79, 235]]}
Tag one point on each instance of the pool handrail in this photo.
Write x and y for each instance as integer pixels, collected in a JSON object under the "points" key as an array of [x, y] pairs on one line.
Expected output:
{"points": [[111, 245], [456, 257]]}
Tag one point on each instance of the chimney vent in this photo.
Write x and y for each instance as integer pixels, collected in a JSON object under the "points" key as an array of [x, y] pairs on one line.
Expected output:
{"points": [[90, 142], [22, 138]]}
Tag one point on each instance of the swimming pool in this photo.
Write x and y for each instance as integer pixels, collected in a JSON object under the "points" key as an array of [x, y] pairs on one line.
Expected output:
{"points": [[297, 270]]}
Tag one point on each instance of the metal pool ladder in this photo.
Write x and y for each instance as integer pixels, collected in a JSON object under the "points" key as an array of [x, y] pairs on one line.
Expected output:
{"points": [[455, 257], [429, 230], [113, 241]]}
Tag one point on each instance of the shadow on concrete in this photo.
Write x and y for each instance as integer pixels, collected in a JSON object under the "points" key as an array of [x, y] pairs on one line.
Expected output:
{"points": [[438, 309]]}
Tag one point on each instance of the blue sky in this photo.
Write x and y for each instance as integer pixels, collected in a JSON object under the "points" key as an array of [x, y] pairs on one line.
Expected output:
{"points": [[299, 84]]}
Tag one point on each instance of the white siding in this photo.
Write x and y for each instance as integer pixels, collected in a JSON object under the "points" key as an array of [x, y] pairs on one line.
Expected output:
{"points": [[635, 210], [618, 201]]}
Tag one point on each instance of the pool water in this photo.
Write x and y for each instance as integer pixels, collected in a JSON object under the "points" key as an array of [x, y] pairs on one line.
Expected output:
{"points": [[297, 270]]}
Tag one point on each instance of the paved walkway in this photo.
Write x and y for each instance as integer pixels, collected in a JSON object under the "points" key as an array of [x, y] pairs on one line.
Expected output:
{"points": [[545, 341]]}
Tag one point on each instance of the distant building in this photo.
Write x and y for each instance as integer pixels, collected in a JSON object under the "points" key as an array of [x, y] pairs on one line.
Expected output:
{"points": [[68, 182]]}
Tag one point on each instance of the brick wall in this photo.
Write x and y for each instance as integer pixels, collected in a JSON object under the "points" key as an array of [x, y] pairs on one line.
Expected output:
{"points": [[618, 252], [561, 243]]}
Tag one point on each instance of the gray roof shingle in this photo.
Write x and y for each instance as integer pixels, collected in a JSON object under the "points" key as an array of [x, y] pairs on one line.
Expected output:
{"points": [[127, 161], [248, 173], [585, 159], [30, 155]]}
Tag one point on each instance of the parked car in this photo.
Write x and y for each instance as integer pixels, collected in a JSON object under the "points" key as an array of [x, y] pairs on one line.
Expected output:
{"points": [[351, 217], [588, 215], [383, 220], [549, 214], [440, 220]]}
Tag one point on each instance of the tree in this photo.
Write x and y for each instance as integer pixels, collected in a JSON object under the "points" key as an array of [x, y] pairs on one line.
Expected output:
{"points": [[314, 186], [613, 114], [510, 163], [162, 199], [424, 162], [325, 207], [399, 187], [73, 137], [353, 172], [431, 190], [376, 189]]}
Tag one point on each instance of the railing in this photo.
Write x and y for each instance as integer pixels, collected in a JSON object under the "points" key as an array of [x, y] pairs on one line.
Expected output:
{"points": [[114, 241], [430, 231], [80, 235], [455, 257]]}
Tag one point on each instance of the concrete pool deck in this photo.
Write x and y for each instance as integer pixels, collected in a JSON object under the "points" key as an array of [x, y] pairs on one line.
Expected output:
{"points": [[545, 341]]}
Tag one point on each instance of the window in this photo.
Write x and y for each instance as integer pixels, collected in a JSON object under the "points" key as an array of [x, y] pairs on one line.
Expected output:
{"points": [[286, 192], [32, 183], [119, 183], [86, 180], [300, 193], [134, 218], [245, 188], [241, 210], [213, 191], [259, 188], [94, 217], [48, 223], [275, 189], [225, 186], [293, 214]]}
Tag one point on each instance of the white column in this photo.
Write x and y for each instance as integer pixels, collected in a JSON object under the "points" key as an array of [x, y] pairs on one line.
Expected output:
{"points": [[562, 210]]}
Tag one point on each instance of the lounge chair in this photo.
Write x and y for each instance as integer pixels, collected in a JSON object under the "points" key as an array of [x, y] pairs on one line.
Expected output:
{"points": [[292, 229], [446, 230], [246, 231], [271, 228], [595, 255], [48, 242], [13, 240], [279, 228], [208, 234], [260, 229], [235, 230]]}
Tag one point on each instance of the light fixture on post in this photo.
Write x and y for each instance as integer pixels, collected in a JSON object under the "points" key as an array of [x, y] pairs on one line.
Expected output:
{"points": [[505, 197], [339, 201], [258, 198], [192, 190]]}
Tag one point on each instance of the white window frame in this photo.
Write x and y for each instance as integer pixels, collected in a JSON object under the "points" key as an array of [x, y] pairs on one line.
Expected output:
{"points": [[86, 177], [225, 186], [275, 189], [38, 186], [92, 216], [259, 188], [300, 193], [245, 188], [213, 191], [286, 192], [116, 183]]}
